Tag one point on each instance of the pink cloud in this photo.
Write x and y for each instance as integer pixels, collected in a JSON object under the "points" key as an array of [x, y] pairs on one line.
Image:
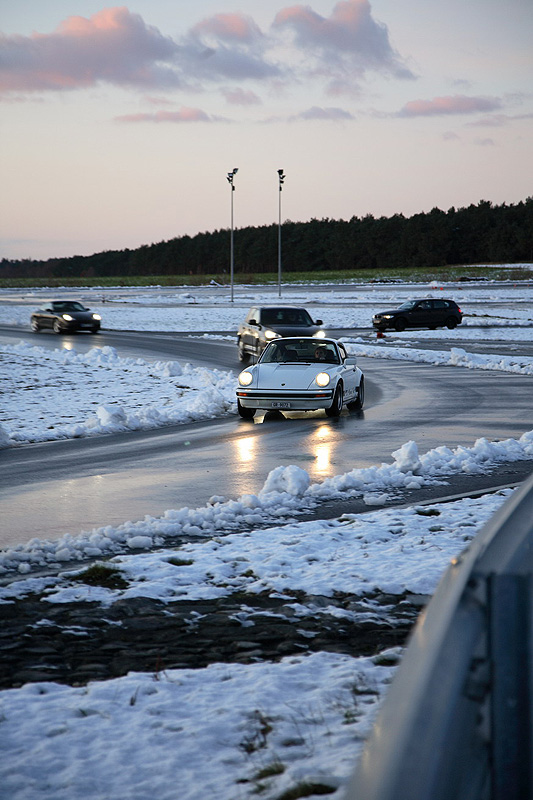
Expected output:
{"points": [[350, 39], [456, 104], [234, 28], [117, 47], [114, 46], [229, 46], [183, 115]]}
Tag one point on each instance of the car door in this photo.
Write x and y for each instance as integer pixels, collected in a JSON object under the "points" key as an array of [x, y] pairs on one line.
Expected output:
{"points": [[46, 319], [249, 333], [439, 312], [420, 314], [349, 376]]}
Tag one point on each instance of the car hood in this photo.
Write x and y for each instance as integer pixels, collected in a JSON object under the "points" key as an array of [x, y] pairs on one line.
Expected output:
{"points": [[79, 316], [392, 311], [294, 330], [288, 376]]}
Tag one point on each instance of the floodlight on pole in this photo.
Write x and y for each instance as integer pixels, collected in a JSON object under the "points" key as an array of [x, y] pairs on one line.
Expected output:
{"points": [[281, 177], [230, 177]]}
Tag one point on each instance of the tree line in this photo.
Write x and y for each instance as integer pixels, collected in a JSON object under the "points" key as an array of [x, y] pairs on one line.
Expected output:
{"points": [[482, 233]]}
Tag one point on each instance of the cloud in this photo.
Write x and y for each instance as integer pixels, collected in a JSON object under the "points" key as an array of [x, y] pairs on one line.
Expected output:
{"points": [[316, 112], [183, 115], [227, 46], [113, 46], [238, 97], [485, 142], [233, 29], [346, 44], [456, 104], [117, 47]]}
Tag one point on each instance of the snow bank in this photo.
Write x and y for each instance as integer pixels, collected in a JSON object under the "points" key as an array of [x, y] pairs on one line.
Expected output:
{"points": [[190, 734], [455, 357], [63, 394]]}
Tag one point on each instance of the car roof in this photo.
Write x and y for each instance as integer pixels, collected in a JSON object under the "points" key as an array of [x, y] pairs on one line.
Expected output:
{"points": [[421, 299], [318, 342], [287, 308]]}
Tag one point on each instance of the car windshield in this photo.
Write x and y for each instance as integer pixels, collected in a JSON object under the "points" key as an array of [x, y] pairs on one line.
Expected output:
{"points": [[285, 316], [300, 350], [67, 305], [407, 305]]}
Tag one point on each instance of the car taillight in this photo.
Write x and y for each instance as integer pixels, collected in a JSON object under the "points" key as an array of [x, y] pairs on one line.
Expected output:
{"points": [[459, 310]]}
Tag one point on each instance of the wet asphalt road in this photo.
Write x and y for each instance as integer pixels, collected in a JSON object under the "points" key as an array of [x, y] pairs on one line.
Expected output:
{"points": [[50, 489]]}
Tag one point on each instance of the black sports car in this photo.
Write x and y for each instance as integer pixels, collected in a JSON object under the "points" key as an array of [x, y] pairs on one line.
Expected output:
{"points": [[263, 324], [428, 313], [65, 316]]}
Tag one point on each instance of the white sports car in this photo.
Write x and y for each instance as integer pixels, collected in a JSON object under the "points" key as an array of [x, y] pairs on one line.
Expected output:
{"points": [[301, 374]]}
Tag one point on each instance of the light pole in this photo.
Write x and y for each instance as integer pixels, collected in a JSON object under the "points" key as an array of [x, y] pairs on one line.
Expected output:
{"points": [[281, 176], [230, 178]]}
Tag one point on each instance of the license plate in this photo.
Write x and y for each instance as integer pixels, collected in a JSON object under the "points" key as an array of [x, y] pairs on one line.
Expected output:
{"points": [[281, 405]]}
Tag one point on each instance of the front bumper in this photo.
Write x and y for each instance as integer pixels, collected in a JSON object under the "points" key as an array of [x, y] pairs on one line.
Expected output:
{"points": [[74, 326], [290, 400]]}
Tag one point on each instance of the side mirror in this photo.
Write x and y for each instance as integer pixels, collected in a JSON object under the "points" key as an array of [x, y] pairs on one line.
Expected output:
{"points": [[318, 322], [252, 322], [351, 361]]}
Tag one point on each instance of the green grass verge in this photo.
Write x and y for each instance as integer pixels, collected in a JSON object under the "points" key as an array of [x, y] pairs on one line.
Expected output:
{"points": [[452, 273]]}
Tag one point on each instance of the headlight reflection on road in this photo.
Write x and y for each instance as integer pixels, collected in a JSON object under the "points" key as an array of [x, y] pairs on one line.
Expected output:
{"points": [[246, 448], [322, 449]]}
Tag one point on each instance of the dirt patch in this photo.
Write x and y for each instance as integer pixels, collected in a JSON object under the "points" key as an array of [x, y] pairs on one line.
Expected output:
{"points": [[74, 643]]}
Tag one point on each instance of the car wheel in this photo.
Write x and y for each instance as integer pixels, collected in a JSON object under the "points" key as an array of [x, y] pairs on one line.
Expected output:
{"points": [[245, 413], [451, 322], [243, 355], [399, 324], [95, 330], [57, 326], [336, 407], [358, 403], [35, 326]]}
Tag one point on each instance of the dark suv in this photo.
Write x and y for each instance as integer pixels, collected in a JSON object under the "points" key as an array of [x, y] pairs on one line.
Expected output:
{"points": [[262, 324], [420, 314]]}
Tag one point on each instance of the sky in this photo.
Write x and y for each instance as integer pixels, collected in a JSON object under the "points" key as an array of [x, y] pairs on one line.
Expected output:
{"points": [[119, 124]]}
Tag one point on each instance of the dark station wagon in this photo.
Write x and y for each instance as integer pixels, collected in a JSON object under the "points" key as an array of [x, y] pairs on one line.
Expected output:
{"points": [[428, 313], [263, 324]]}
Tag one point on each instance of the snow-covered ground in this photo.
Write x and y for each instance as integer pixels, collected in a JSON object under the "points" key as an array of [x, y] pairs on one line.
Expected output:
{"points": [[207, 308], [230, 729], [227, 731]]}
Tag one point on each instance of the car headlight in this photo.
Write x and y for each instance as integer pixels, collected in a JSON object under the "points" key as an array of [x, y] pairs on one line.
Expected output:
{"points": [[245, 378], [67, 317], [319, 335], [322, 379], [386, 316], [271, 335], [97, 316]]}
